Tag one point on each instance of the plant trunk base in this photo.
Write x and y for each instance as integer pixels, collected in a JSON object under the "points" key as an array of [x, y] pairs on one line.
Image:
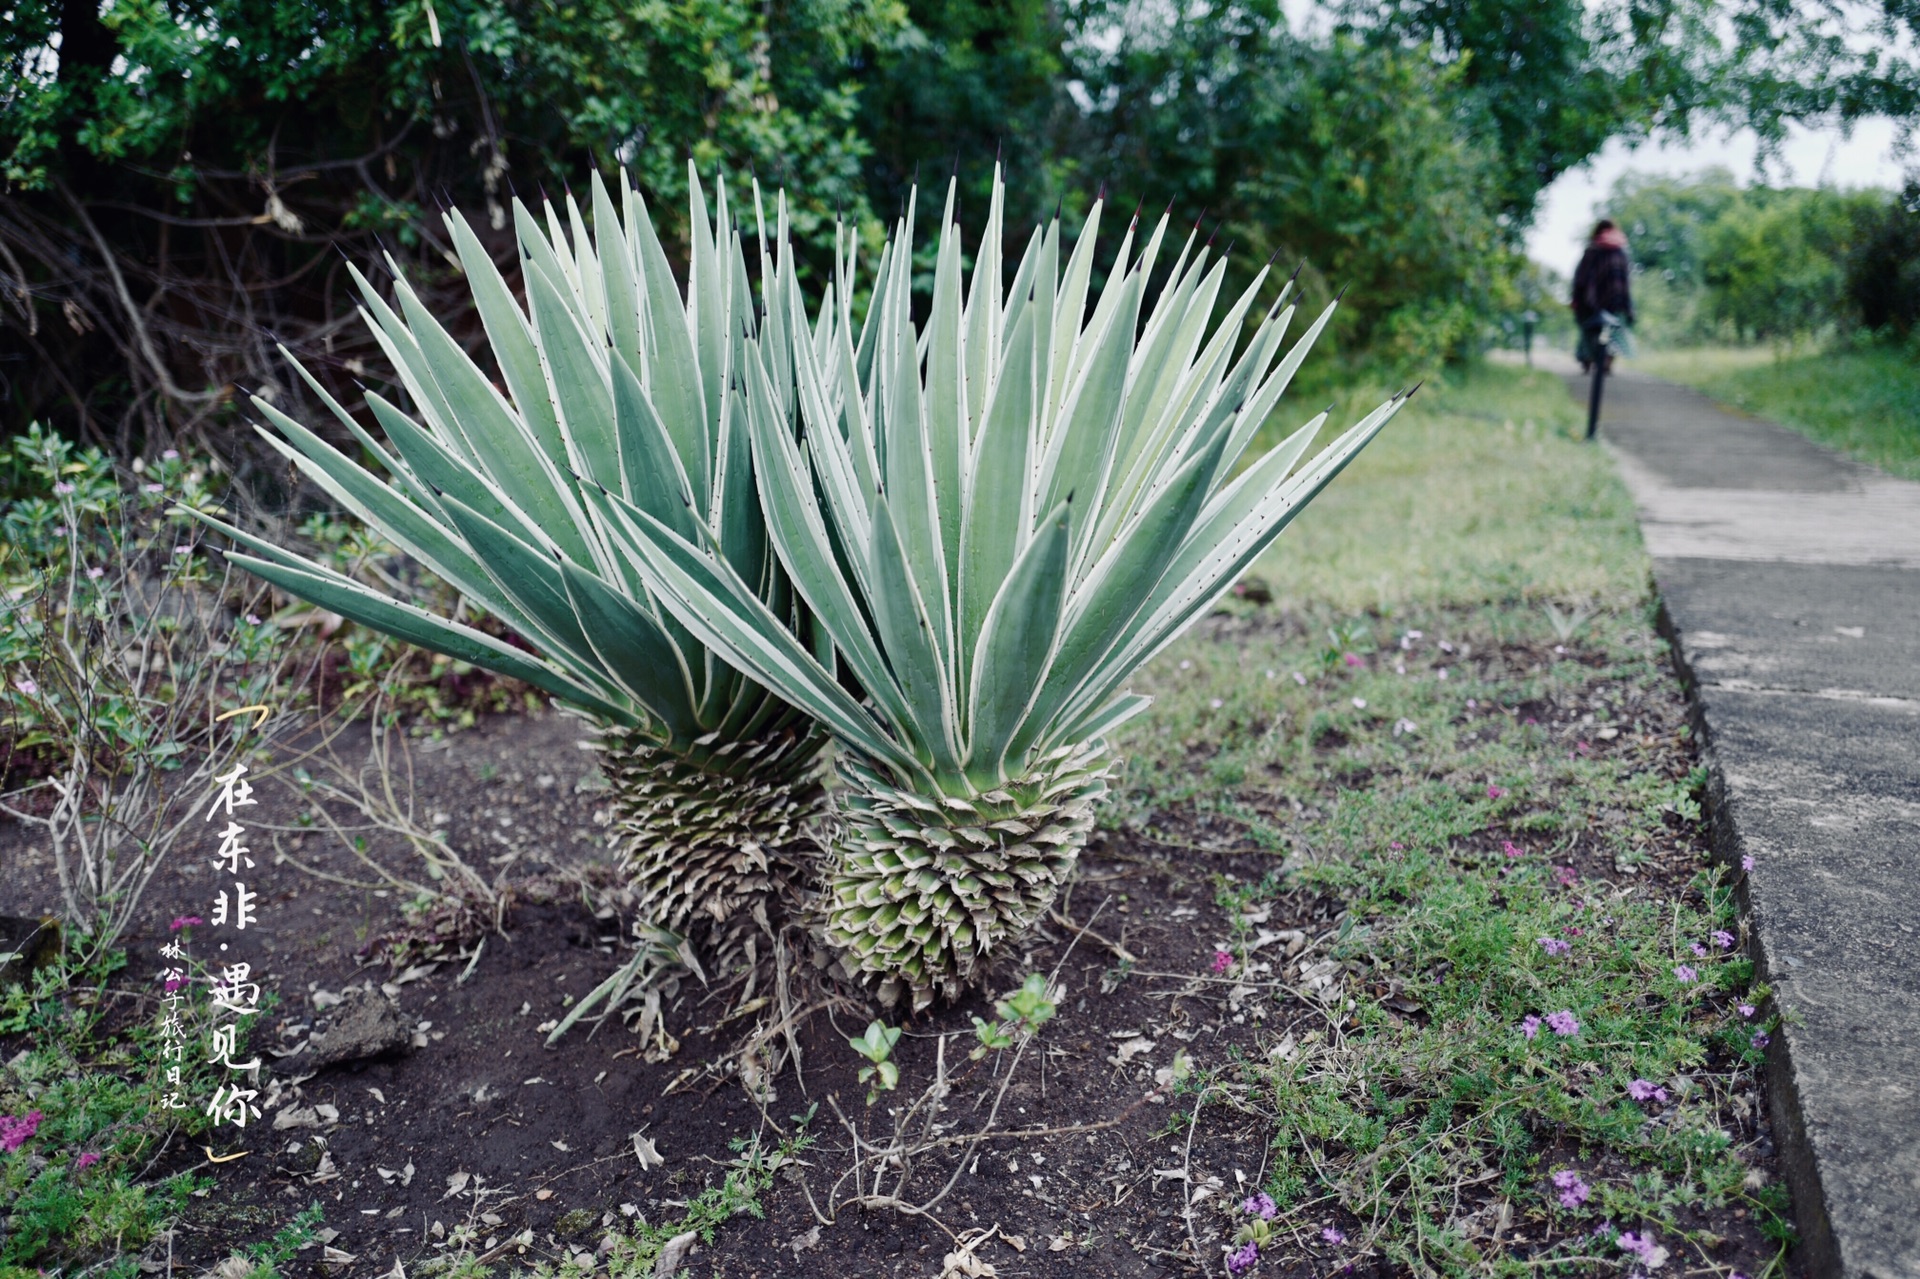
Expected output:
{"points": [[720, 845], [922, 890]]}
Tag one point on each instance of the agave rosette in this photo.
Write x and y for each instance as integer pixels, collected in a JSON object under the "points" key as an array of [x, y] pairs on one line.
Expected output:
{"points": [[612, 381], [997, 521]]}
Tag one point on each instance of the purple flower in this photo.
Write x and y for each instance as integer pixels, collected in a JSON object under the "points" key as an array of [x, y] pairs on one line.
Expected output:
{"points": [[1554, 946], [1641, 1245], [86, 1161], [1573, 1191], [150, 488], [1496, 792], [63, 488], [1260, 1205], [1723, 939], [1530, 1025], [1333, 1236], [1565, 875], [1222, 961], [184, 921], [1243, 1257], [1746, 863], [1746, 1010], [14, 1132], [1563, 1022], [1761, 1039], [1512, 849], [1644, 1089], [1685, 973], [1696, 948]]}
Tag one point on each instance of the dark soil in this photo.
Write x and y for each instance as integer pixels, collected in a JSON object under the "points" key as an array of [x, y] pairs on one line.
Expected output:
{"points": [[1088, 1169]]}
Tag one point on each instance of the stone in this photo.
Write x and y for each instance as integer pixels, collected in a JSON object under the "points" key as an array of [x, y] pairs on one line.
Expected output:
{"points": [[366, 1024]]}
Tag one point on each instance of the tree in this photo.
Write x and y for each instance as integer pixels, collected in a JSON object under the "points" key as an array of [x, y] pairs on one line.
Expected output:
{"points": [[184, 178]]}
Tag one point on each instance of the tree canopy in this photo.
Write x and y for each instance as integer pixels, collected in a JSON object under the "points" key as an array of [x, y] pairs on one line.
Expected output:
{"points": [[184, 179]]}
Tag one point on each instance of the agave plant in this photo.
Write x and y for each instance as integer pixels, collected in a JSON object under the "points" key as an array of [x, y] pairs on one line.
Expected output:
{"points": [[612, 382], [997, 521]]}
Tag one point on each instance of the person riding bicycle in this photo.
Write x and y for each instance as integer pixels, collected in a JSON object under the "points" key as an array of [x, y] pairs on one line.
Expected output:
{"points": [[1600, 289]]}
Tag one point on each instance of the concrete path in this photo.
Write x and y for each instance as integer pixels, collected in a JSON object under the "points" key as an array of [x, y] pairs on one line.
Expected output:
{"points": [[1791, 580]]}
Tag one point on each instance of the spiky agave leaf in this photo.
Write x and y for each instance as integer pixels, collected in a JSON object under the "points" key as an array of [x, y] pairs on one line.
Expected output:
{"points": [[617, 388], [997, 522]]}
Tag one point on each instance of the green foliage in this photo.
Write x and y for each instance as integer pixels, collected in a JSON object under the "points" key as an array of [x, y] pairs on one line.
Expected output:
{"points": [[1883, 270], [1020, 1015], [1361, 161], [876, 1046], [1759, 263]]}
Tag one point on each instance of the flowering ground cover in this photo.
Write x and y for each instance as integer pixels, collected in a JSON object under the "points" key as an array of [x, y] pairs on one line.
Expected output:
{"points": [[1399, 953]]}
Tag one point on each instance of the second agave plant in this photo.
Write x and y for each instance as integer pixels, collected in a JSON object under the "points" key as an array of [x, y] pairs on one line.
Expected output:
{"points": [[998, 519], [614, 383]]}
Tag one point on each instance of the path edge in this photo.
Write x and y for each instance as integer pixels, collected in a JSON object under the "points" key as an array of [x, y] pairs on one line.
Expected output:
{"points": [[1818, 1250]]}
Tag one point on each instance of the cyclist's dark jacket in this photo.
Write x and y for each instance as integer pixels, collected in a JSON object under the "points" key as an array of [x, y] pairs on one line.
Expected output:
{"points": [[1600, 281]]}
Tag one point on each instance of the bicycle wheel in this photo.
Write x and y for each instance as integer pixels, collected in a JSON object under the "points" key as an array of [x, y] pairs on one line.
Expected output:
{"points": [[1593, 394]]}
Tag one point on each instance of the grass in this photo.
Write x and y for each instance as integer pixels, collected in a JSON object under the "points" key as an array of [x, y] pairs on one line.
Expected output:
{"points": [[1470, 781], [1863, 401], [1476, 492]]}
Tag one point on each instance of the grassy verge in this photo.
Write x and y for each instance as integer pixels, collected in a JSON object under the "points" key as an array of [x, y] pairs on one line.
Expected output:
{"points": [[1533, 1050], [1865, 402]]}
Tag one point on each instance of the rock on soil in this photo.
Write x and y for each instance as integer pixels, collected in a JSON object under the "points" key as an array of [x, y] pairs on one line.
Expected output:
{"points": [[365, 1025]]}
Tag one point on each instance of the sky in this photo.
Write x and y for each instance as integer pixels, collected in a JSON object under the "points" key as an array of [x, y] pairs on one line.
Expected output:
{"points": [[1810, 157]]}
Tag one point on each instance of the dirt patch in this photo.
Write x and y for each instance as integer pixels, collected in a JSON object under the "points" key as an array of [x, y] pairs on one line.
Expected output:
{"points": [[1096, 1163]]}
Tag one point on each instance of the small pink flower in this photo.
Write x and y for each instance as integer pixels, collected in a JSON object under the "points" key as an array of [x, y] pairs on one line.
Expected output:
{"points": [[1723, 939], [1565, 875], [174, 983], [1563, 1022], [183, 550], [95, 573], [1697, 948], [1746, 863], [1643, 1089], [1222, 961], [86, 1161], [1512, 849], [1530, 1025], [185, 921], [1576, 932], [150, 488], [253, 619], [1334, 1237], [1554, 946], [26, 686], [1573, 1191], [1746, 1010], [14, 1132], [1685, 973], [1396, 845], [1640, 1245], [1351, 659], [1495, 792], [171, 455], [63, 488]]}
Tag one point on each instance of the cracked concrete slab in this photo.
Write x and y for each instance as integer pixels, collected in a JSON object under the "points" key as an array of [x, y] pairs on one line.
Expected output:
{"points": [[1790, 585]]}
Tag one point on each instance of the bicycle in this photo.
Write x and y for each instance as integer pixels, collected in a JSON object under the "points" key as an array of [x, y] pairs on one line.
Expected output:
{"points": [[1601, 349]]}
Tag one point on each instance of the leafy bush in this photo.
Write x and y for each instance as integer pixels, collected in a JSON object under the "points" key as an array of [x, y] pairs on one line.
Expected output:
{"points": [[1883, 270], [132, 670]]}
